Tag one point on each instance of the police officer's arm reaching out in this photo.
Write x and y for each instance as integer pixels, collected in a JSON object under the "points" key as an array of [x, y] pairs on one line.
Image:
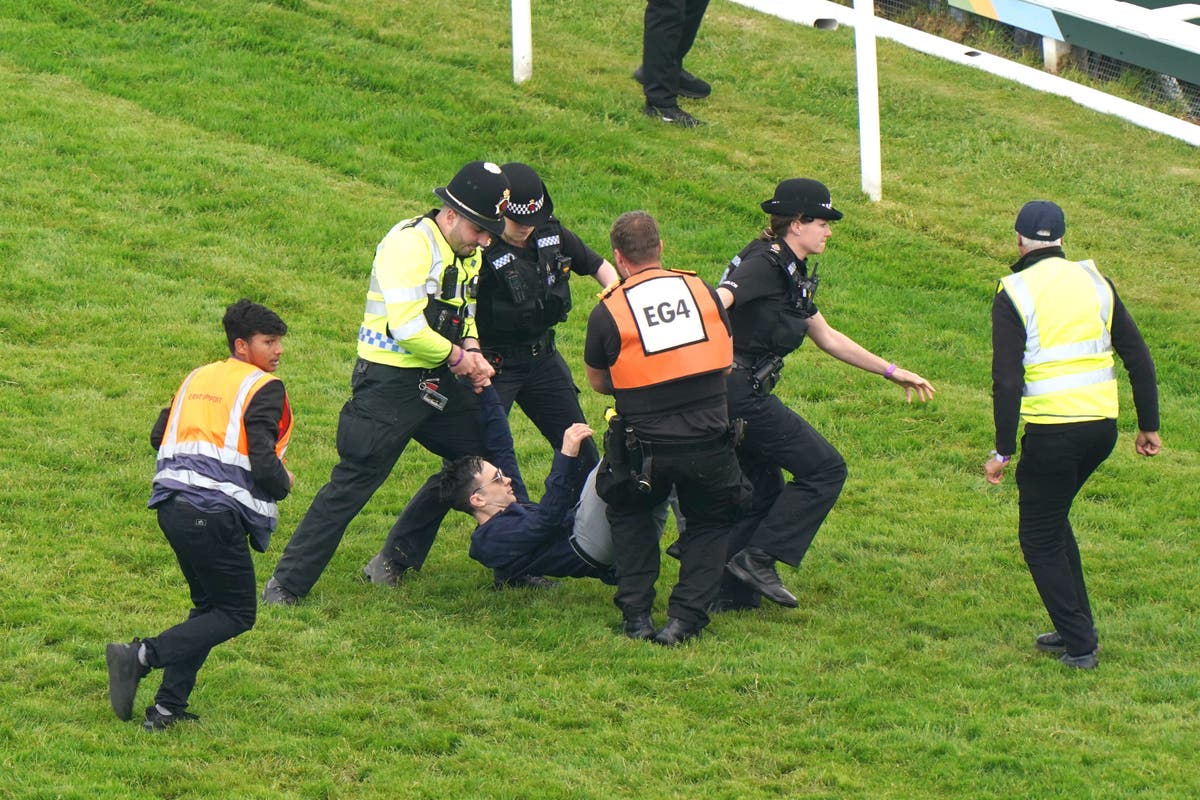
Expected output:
{"points": [[467, 362], [843, 348]]}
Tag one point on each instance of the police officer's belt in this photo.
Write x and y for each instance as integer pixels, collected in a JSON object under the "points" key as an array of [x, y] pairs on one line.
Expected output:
{"points": [[542, 346], [680, 448]]}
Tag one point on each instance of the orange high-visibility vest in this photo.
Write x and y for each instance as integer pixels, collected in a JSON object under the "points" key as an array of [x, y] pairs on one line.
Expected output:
{"points": [[204, 457], [670, 327]]}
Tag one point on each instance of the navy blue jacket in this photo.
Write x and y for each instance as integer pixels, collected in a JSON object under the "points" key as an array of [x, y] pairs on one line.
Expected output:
{"points": [[530, 538]]}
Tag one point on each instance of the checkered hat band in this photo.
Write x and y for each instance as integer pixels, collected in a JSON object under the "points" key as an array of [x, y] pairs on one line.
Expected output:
{"points": [[525, 209]]}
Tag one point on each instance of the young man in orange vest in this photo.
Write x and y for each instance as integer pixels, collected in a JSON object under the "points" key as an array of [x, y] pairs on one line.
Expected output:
{"points": [[220, 472], [660, 343]]}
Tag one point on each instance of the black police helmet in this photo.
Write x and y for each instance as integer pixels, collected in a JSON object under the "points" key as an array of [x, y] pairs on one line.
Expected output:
{"points": [[480, 193], [530, 203], [801, 197]]}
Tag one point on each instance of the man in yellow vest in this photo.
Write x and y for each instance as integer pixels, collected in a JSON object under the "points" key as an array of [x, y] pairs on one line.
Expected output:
{"points": [[660, 343], [1055, 325], [418, 361], [220, 472]]}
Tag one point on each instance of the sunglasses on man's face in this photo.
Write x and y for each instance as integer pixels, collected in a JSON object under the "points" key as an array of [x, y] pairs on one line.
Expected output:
{"points": [[499, 476]]}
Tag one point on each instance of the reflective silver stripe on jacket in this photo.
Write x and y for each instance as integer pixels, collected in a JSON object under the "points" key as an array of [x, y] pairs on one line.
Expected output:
{"points": [[243, 496], [1064, 382], [408, 294], [1034, 352]]}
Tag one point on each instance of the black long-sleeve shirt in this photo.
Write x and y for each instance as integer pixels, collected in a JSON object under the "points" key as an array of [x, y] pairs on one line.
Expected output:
{"points": [[262, 417], [1008, 352]]}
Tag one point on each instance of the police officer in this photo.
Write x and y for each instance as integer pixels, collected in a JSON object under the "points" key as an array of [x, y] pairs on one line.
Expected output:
{"points": [[1055, 324], [416, 341], [524, 292], [659, 342], [769, 290]]}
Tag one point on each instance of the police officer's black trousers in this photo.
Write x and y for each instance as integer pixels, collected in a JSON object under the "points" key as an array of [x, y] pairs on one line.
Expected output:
{"points": [[545, 390], [668, 33], [784, 517], [384, 412], [712, 493], [214, 557], [1056, 460]]}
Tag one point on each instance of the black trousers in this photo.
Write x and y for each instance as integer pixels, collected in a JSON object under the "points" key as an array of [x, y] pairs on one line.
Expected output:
{"points": [[544, 389], [214, 557], [384, 413], [1056, 460], [668, 33], [712, 493], [783, 517]]}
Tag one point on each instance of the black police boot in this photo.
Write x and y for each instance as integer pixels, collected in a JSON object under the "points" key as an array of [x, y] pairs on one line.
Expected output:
{"points": [[676, 632], [757, 568], [639, 626]]}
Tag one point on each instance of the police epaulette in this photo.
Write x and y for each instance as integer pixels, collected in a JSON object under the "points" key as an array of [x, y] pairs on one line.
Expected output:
{"points": [[680, 271], [607, 290]]}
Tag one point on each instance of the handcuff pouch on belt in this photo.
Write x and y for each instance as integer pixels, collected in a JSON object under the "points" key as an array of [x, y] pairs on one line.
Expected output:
{"points": [[627, 455]]}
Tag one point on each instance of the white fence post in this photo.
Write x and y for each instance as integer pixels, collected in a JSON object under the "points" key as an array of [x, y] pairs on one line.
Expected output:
{"points": [[868, 99], [522, 40]]}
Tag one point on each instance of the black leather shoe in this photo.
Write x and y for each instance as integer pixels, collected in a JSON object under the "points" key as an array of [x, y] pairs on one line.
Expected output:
{"points": [[1085, 661], [676, 632], [756, 568], [639, 626], [523, 582], [125, 672], [158, 721], [689, 84]]}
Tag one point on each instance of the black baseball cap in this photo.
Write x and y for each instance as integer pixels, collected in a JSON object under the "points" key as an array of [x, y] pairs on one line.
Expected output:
{"points": [[530, 203], [803, 197], [480, 193], [1041, 220]]}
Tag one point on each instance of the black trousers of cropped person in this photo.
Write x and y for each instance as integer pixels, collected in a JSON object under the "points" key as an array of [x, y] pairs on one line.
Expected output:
{"points": [[1056, 461], [540, 382], [712, 494], [668, 32], [214, 557], [784, 517], [385, 412]]}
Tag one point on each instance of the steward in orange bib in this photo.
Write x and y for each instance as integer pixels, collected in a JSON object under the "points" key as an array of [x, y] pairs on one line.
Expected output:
{"points": [[1055, 326], [659, 342], [220, 472]]}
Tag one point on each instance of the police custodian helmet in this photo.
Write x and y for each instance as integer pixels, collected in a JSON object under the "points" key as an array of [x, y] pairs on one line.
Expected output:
{"points": [[801, 197], [480, 193]]}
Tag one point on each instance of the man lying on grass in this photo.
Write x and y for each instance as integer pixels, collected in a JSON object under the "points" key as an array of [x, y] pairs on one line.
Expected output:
{"points": [[566, 535]]}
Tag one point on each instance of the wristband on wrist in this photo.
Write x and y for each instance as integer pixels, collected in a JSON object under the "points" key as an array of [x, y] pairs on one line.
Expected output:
{"points": [[461, 355], [474, 350], [889, 371], [999, 458]]}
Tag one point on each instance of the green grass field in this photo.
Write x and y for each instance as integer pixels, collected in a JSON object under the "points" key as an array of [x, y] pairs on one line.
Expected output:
{"points": [[162, 158]]}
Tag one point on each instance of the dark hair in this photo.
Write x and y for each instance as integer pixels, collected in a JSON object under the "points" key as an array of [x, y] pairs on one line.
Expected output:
{"points": [[244, 318], [457, 482], [779, 223], [635, 234]]}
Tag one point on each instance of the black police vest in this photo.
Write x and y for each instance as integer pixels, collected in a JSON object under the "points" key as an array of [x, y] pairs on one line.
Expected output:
{"points": [[520, 299], [777, 324]]}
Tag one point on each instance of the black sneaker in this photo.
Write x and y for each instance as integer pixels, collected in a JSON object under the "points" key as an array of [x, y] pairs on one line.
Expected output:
{"points": [[383, 570], [689, 84], [673, 115], [274, 594], [124, 674], [158, 721], [1085, 661]]}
